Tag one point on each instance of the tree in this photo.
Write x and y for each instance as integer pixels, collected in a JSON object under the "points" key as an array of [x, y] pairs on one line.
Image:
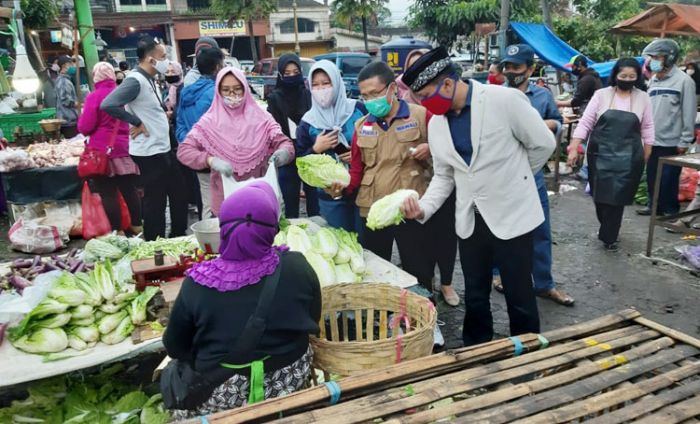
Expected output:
{"points": [[38, 14], [248, 10], [347, 12]]}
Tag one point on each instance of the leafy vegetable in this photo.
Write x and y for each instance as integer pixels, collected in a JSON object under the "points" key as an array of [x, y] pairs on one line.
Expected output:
{"points": [[82, 322], [109, 322], [297, 239], [325, 243], [325, 271], [43, 340], [67, 291], [137, 308], [43, 309], [52, 321], [82, 311], [76, 343], [88, 333], [111, 308], [87, 283], [344, 274], [280, 239], [103, 279], [102, 250], [123, 330], [387, 210], [170, 247], [322, 171]]}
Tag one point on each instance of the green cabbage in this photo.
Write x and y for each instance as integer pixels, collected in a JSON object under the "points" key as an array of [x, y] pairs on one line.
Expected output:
{"points": [[137, 307], [111, 308], [66, 290], [343, 255], [103, 278], [386, 211], [88, 333], [76, 343], [325, 270], [43, 309], [82, 311], [322, 171], [44, 340], [87, 283], [120, 333], [102, 250], [126, 296], [297, 239], [280, 238], [109, 322], [53, 321], [344, 274], [82, 322], [325, 243]]}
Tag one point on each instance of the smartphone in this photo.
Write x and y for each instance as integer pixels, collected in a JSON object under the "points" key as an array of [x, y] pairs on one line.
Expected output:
{"points": [[340, 149]]}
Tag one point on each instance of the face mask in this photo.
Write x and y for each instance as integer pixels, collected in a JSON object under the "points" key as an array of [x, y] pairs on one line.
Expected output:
{"points": [[71, 71], [494, 80], [656, 65], [119, 81], [55, 68], [379, 107], [172, 79], [515, 80], [436, 103], [625, 85], [161, 66], [690, 71], [323, 96], [576, 71], [292, 81], [233, 101]]}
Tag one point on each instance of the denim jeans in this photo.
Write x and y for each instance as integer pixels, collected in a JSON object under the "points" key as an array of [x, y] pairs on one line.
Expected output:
{"points": [[670, 178], [342, 213], [542, 243], [290, 184]]}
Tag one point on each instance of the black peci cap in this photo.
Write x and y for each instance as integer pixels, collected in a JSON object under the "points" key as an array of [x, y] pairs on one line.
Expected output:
{"points": [[427, 68]]}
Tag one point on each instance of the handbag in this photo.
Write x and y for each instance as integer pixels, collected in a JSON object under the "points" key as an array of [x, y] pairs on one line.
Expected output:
{"points": [[183, 387], [95, 163]]}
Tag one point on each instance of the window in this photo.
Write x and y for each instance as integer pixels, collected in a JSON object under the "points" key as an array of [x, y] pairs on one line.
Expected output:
{"points": [[353, 65], [198, 4], [305, 25]]}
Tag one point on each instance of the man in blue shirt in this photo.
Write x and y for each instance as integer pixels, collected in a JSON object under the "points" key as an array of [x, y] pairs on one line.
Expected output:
{"points": [[518, 68]]}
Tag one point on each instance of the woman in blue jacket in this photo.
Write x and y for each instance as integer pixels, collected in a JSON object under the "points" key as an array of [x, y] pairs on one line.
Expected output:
{"points": [[328, 128]]}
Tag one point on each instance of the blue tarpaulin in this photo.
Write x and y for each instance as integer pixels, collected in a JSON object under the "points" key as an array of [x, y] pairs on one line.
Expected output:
{"points": [[553, 49]]}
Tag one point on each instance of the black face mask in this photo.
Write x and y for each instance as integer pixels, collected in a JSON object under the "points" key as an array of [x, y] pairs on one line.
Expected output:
{"points": [[625, 85], [293, 80], [576, 71], [515, 80], [172, 79]]}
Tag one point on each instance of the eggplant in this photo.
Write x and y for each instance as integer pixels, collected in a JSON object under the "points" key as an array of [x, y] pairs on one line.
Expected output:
{"points": [[48, 266], [21, 263], [36, 261], [64, 266], [72, 253], [76, 266], [19, 283]]}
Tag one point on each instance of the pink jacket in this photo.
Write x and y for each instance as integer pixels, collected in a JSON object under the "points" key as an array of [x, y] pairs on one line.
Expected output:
{"points": [[99, 126]]}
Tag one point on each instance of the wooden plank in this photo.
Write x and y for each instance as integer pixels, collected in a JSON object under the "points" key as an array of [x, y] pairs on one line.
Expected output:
{"points": [[346, 330], [583, 369], [670, 332], [630, 391], [538, 403], [675, 413], [358, 325], [333, 318], [370, 325], [650, 404], [425, 392], [589, 327], [383, 325]]}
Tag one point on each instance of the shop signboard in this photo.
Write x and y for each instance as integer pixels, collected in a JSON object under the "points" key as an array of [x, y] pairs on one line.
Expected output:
{"points": [[213, 28]]}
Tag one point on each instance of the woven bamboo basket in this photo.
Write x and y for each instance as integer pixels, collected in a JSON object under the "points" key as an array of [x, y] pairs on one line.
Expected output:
{"points": [[358, 323]]}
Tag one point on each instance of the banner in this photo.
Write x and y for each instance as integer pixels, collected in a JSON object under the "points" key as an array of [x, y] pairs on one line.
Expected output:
{"points": [[221, 29]]}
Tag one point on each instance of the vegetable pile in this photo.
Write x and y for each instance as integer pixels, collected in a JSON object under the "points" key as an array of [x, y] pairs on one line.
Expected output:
{"points": [[322, 171], [386, 211], [114, 247], [334, 254], [101, 399], [23, 271], [81, 310]]}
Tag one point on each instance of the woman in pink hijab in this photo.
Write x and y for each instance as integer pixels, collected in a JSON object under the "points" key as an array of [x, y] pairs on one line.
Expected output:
{"points": [[236, 137], [404, 91], [109, 135]]}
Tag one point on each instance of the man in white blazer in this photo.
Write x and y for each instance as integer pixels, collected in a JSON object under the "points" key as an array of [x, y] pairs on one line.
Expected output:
{"points": [[486, 141]]}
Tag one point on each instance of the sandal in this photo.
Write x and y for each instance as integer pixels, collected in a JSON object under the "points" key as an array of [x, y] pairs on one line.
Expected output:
{"points": [[498, 285], [452, 298], [557, 297]]}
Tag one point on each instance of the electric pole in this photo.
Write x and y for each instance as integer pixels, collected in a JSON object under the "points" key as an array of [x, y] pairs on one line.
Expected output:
{"points": [[505, 16], [546, 16], [297, 49]]}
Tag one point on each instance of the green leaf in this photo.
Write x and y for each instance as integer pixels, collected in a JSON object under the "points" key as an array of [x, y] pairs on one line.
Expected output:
{"points": [[130, 402]]}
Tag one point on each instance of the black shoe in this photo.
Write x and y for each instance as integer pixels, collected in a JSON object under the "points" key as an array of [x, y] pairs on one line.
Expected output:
{"points": [[644, 212], [611, 247]]}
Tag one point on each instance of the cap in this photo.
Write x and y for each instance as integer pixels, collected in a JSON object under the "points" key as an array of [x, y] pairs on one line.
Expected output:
{"points": [[577, 60], [204, 42], [519, 54], [62, 60], [427, 68]]}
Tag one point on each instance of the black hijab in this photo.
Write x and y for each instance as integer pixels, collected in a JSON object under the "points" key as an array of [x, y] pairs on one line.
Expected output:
{"points": [[289, 102]]}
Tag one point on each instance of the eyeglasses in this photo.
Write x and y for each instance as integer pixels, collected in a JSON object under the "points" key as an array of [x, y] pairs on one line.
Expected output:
{"points": [[225, 91], [375, 96]]}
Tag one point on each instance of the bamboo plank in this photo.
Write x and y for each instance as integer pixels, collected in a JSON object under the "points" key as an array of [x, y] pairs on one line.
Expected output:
{"points": [[383, 325], [425, 392], [675, 413], [580, 389], [354, 386], [358, 325], [370, 325], [670, 332], [583, 369], [344, 316], [631, 391], [649, 404], [333, 318]]}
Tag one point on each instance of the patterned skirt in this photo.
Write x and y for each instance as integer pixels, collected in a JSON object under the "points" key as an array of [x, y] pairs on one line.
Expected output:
{"points": [[234, 392]]}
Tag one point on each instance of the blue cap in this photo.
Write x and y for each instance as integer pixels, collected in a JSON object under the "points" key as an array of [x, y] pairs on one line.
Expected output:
{"points": [[518, 54]]}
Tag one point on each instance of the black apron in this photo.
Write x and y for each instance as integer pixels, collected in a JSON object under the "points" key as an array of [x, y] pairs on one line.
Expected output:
{"points": [[615, 157]]}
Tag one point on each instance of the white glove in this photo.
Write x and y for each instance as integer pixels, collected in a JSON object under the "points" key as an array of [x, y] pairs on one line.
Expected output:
{"points": [[280, 157], [221, 166]]}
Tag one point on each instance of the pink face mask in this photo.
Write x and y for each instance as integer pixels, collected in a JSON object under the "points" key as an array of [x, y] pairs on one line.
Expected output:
{"points": [[323, 96]]}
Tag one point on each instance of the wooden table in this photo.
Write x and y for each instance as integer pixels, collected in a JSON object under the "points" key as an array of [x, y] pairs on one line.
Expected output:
{"points": [[688, 161]]}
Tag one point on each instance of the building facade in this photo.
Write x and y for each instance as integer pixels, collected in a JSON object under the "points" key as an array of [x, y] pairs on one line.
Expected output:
{"points": [[313, 27]]}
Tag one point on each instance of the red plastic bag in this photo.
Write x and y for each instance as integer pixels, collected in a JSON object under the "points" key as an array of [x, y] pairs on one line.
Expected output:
{"points": [[689, 180], [95, 221], [124, 210]]}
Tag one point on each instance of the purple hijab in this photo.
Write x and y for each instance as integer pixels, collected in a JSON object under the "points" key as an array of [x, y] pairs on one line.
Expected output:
{"points": [[248, 219]]}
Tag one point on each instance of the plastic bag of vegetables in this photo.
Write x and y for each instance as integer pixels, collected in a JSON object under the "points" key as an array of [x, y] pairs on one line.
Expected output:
{"points": [[387, 210], [322, 171]]}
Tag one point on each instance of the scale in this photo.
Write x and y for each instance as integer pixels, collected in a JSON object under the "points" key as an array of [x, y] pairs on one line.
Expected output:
{"points": [[160, 269]]}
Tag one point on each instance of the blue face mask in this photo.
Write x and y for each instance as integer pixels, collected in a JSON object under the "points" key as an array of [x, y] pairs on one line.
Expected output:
{"points": [[656, 65]]}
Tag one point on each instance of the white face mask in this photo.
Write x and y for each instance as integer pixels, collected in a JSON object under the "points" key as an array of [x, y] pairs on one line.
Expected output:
{"points": [[323, 96], [233, 101], [162, 66], [690, 71]]}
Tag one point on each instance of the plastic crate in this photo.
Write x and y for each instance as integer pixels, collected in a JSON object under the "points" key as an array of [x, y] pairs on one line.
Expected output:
{"points": [[28, 121]]}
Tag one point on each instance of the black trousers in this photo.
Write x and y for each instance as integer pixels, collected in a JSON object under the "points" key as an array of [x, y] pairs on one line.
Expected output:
{"points": [[670, 178], [411, 239], [443, 240], [479, 253], [610, 218], [108, 187], [162, 181]]}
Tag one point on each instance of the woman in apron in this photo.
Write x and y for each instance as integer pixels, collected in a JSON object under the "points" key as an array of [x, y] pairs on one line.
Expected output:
{"points": [[619, 126]]}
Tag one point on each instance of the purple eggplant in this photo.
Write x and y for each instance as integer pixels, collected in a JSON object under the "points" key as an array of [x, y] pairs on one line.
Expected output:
{"points": [[80, 268], [64, 266], [21, 263], [36, 261], [48, 266], [19, 283], [76, 266], [72, 253]]}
